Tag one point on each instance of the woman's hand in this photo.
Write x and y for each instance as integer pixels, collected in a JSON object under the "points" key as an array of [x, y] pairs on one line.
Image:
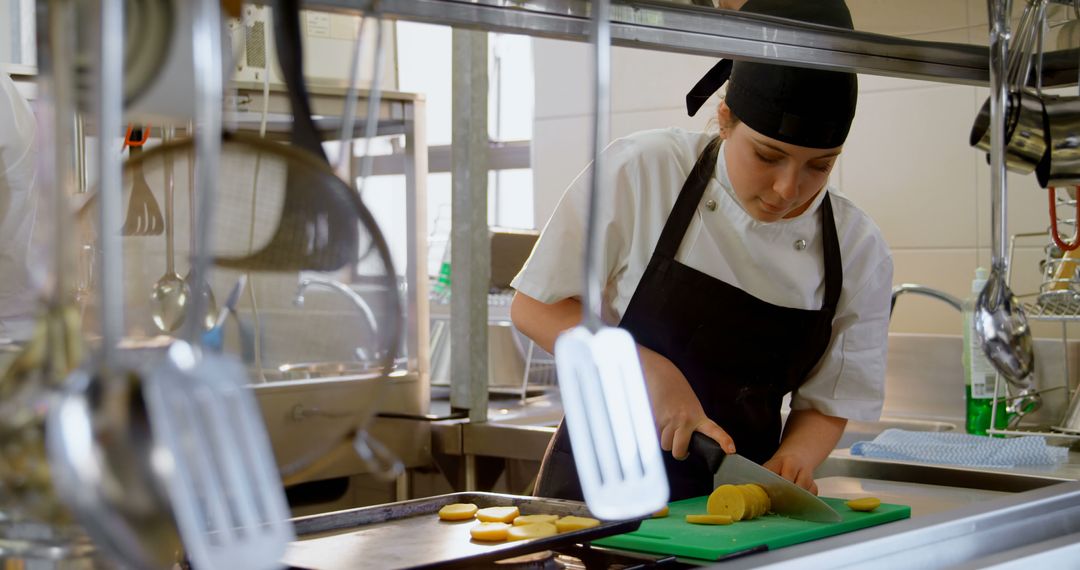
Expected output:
{"points": [[795, 469], [809, 436], [676, 409]]}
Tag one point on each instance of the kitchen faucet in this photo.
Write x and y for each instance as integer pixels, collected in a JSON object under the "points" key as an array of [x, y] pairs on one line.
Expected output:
{"points": [[923, 290], [353, 296]]}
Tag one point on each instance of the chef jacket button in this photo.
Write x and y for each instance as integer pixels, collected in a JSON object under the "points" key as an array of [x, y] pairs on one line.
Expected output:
{"points": [[711, 205], [800, 244]]}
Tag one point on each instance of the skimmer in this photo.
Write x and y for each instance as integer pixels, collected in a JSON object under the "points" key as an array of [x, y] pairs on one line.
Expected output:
{"points": [[603, 389]]}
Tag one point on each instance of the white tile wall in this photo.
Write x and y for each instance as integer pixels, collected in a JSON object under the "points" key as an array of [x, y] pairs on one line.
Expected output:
{"points": [[906, 18], [647, 92], [907, 156], [907, 162]]}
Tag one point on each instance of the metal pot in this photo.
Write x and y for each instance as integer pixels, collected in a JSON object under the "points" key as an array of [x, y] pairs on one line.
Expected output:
{"points": [[1026, 131], [1061, 165]]}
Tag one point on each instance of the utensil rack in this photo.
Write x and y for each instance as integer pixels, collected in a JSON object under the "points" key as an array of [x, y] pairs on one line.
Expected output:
{"points": [[1059, 308]]}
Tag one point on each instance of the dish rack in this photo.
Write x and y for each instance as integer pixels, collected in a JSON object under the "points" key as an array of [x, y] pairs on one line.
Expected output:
{"points": [[1058, 300], [538, 370], [539, 363]]}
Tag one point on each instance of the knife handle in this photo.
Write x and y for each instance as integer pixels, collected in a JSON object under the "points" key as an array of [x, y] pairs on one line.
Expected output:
{"points": [[707, 448]]}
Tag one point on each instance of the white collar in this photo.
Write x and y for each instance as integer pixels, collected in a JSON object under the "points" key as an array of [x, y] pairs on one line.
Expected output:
{"points": [[721, 177]]}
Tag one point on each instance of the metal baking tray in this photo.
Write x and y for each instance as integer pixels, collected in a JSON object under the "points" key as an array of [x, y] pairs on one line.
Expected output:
{"points": [[409, 534]]}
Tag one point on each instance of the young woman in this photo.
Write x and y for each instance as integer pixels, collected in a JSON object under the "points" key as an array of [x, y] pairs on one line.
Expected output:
{"points": [[741, 274]]}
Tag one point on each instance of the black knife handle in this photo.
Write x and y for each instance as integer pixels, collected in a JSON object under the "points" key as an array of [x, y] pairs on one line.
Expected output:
{"points": [[707, 448]]}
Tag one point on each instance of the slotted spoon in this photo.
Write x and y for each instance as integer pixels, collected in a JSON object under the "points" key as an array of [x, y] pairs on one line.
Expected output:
{"points": [[603, 389]]}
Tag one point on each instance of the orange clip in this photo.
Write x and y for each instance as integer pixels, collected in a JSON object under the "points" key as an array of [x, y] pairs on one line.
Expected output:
{"points": [[128, 141]]}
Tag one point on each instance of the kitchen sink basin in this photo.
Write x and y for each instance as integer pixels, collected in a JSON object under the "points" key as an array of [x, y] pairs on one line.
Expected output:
{"points": [[541, 411], [865, 431]]}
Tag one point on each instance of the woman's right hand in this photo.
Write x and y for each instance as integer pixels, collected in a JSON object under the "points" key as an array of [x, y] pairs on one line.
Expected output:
{"points": [[676, 408]]}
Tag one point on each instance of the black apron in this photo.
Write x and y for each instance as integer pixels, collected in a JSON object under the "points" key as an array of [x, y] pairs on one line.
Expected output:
{"points": [[740, 354]]}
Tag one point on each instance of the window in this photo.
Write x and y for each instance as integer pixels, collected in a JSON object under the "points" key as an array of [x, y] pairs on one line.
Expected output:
{"points": [[425, 66]]}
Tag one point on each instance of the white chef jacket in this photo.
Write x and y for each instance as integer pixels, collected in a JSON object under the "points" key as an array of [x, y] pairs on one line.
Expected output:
{"points": [[648, 171], [18, 203]]}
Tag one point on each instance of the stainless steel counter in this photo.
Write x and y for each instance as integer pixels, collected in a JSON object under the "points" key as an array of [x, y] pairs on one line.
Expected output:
{"points": [[1038, 524], [960, 515]]}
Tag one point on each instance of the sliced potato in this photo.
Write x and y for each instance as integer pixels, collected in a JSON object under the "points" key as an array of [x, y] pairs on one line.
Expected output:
{"points": [[530, 519], [757, 500], [571, 523], [498, 514], [708, 519], [864, 504], [727, 500], [763, 497], [753, 502], [490, 531], [661, 513], [531, 530], [457, 511]]}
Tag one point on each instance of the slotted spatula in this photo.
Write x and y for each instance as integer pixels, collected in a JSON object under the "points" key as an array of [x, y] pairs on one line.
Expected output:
{"points": [[603, 389], [224, 487]]}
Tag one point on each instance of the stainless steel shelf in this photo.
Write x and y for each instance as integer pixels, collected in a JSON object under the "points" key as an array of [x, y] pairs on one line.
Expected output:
{"points": [[706, 31]]}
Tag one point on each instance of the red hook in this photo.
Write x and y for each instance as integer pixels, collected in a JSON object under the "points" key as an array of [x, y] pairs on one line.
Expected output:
{"points": [[1053, 223]]}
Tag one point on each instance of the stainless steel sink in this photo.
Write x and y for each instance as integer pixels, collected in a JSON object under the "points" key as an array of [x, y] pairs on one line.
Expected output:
{"points": [[540, 411], [865, 431], [924, 499]]}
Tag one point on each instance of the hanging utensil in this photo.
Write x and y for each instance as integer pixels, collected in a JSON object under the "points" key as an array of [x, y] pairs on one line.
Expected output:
{"points": [[1026, 128], [315, 231], [371, 125], [1000, 324], [171, 292], [207, 292], [607, 407], [223, 485], [98, 440], [144, 215]]}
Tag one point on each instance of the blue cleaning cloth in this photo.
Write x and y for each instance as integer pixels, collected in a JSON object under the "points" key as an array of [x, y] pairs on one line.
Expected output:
{"points": [[960, 449]]}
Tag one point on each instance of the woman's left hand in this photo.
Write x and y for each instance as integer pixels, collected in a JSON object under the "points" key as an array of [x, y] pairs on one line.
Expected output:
{"points": [[795, 469], [808, 438]]}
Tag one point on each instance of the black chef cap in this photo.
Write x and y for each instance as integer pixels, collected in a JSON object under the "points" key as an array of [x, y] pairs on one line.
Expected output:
{"points": [[804, 107]]}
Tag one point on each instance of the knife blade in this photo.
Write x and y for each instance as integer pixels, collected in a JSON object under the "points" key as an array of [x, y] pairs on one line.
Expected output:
{"points": [[788, 499]]}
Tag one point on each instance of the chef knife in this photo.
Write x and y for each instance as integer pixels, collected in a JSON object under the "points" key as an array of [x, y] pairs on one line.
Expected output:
{"points": [[787, 498]]}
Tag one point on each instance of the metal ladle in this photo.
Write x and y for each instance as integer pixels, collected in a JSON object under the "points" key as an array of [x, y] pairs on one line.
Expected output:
{"points": [[1000, 324], [210, 316], [171, 292]]}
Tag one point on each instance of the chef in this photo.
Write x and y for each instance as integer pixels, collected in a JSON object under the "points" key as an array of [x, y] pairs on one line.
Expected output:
{"points": [[17, 207], [742, 275]]}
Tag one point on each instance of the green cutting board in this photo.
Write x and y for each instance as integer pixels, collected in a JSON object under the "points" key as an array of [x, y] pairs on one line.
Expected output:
{"points": [[674, 536]]}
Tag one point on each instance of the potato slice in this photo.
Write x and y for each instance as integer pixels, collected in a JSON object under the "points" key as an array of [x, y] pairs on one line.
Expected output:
{"points": [[530, 519], [865, 504], [757, 500], [571, 523], [753, 503], [531, 530], [490, 531], [708, 519], [457, 511], [763, 497], [498, 514], [727, 500], [661, 513]]}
